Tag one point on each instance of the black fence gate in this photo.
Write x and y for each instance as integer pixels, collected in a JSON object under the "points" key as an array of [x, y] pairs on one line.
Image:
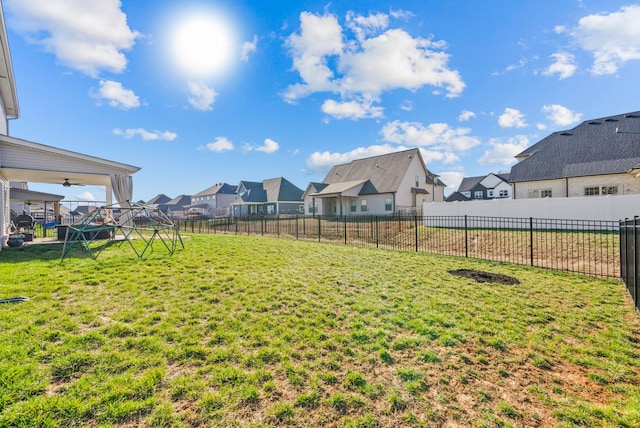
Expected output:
{"points": [[630, 257]]}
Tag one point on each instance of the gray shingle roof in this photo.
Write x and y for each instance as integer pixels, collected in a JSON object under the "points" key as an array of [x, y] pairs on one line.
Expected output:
{"points": [[179, 201], [384, 172], [271, 190], [220, 188], [609, 145], [469, 183], [159, 199]]}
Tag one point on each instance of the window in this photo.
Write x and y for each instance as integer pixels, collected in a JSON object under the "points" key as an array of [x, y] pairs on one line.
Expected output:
{"points": [[609, 190], [353, 206], [417, 181], [363, 205], [477, 194], [490, 193], [270, 209], [387, 204], [545, 193], [591, 191], [312, 208], [504, 193]]}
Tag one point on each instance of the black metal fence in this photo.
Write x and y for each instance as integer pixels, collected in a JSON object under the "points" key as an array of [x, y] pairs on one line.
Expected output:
{"points": [[630, 257], [581, 246]]}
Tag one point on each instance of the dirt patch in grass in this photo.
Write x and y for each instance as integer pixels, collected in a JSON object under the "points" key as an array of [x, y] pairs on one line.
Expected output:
{"points": [[481, 276]]}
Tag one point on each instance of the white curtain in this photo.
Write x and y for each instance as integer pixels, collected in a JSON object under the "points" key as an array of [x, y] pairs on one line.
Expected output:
{"points": [[122, 186]]}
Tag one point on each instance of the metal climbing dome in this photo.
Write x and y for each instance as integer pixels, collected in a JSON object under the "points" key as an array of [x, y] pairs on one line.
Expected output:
{"points": [[138, 225]]}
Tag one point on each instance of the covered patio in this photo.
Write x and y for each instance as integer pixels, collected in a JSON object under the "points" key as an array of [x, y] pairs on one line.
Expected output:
{"points": [[23, 161]]}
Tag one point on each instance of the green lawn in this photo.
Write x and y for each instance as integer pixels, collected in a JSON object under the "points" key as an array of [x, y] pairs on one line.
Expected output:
{"points": [[249, 331]]}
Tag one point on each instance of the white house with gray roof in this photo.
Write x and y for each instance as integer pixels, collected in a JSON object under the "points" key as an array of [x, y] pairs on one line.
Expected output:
{"points": [[274, 196], [598, 157], [214, 201], [394, 183]]}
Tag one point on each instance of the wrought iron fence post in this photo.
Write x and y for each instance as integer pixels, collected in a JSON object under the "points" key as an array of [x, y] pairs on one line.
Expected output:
{"points": [[319, 229], [345, 230], [297, 226], [278, 224], [415, 223], [635, 260], [531, 239], [377, 234], [466, 238]]}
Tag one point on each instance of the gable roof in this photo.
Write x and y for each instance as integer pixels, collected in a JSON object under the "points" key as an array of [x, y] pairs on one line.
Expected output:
{"points": [[281, 189], [457, 196], [179, 201], [160, 198], [468, 183], [608, 145], [218, 189], [385, 172], [270, 190]]}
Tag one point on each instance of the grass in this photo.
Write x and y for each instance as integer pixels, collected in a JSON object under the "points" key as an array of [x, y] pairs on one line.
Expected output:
{"points": [[250, 331]]}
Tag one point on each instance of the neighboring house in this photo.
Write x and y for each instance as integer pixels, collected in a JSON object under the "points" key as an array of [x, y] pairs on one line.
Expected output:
{"points": [[491, 186], [26, 161], [159, 201], [598, 157], [177, 207], [214, 201], [273, 196], [393, 183]]}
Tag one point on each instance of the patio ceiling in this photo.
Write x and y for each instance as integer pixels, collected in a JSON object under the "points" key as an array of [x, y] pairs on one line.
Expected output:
{"points": [[26, 161], [55, 177]]}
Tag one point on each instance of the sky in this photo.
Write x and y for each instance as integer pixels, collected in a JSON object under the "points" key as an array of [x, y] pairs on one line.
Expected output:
{"points": [[197, 93]]}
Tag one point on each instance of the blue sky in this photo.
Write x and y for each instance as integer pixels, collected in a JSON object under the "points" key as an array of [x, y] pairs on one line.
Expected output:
{"points": [[201, 92]]}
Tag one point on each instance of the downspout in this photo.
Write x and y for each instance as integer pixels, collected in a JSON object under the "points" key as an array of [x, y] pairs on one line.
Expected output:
{"points": [[566, 187], [340, 199], [393, 196], [313, 207], [514, 191]]}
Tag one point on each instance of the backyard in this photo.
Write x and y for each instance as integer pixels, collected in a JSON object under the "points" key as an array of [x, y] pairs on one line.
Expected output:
{"points": [[255, 331]]}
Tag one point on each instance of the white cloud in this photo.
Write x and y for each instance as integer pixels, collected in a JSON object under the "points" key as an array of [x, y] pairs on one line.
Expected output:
{"points": [[511, 118], [363, 26], [504, 153], [401, 14], [466, 115], [560, 115], [201, 96], [146, 135], [116, 96], [452, 179], [320, 38], [436, 136], [319, 162], [219, 145], [406, 105], [351, 110], [564, 65], [249, 48], [85, 196], [377, 60], [88, 36], [269, 146], [612, 39]]}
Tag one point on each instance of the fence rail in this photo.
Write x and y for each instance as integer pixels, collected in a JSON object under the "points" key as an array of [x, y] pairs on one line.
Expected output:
{"points": [[630, 257], [581, 246]]}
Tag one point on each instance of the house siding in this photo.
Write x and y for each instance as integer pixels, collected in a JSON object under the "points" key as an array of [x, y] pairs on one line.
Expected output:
{"points": [[627, 185]]}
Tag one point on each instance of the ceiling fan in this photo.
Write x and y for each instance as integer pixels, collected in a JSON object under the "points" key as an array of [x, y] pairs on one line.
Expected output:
{"points": [[67, 184]]}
